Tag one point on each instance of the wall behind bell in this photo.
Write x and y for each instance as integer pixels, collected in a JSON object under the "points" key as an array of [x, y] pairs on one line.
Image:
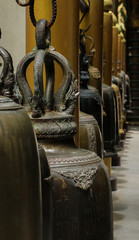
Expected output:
{"points": [[12, 24]]}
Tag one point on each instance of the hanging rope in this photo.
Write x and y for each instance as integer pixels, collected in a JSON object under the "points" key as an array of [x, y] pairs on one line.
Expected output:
{"points": [[30, 3]]}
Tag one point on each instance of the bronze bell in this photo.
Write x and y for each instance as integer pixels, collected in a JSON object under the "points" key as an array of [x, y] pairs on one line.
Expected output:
{"points": [[23, 147], [81, 191], [90, 100], [20, 188]]}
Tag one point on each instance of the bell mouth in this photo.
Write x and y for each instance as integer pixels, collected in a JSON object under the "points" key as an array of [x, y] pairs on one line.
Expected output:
{"points": [[8, 104], [54, 125]]}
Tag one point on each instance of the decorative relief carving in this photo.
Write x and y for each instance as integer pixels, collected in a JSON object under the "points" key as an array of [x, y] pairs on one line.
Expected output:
{"points": [[92, 139], [94, 72], [86, 157], [82, 178], [54, 128]]}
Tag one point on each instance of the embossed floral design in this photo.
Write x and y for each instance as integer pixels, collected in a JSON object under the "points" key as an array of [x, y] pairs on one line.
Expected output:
{"points": [[82, 178]]}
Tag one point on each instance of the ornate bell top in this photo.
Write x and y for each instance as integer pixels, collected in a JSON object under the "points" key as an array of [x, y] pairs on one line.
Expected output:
{"points": [[51, 113]]}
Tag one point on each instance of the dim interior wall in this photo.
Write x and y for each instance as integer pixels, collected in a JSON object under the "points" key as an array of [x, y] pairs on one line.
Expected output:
{"points": [[12, 24]]}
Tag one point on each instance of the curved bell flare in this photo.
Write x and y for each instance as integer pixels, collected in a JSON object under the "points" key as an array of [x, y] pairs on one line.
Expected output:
{"points": [[20, 190], [81, 188]]}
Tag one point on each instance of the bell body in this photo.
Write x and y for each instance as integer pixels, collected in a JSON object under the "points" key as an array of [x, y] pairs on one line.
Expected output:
{"points": [[91, 103], [90, 134], [20, 190], [81, 189], [109, 121]]}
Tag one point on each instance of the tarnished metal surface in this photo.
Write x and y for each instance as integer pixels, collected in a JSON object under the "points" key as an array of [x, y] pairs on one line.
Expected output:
{"points": [[21, 147], [109, 120], [20, 190], [81, 189]]}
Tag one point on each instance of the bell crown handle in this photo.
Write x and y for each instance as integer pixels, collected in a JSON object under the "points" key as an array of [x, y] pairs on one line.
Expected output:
{"points": [[44, 100]]}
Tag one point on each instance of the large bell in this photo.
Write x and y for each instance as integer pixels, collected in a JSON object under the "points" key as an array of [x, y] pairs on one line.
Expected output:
{"points": [[22, 151], [20, 188], [81, 190]]}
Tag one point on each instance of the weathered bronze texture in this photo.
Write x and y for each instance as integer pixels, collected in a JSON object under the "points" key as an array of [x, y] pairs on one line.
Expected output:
{"points": [[10, 88], [90, 134], [81, 189], [20, 180]]}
